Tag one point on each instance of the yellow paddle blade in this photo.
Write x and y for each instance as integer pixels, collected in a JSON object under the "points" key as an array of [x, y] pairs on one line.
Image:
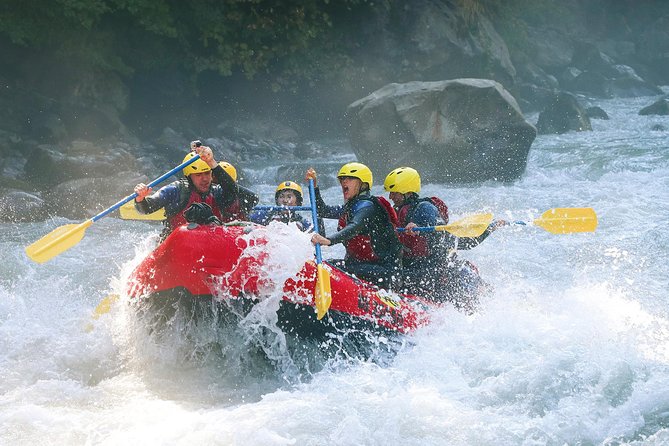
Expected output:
{"points": [[59, 240], [471, 226], [105, 305], [128, 212], [568, 220], [323, 292]]}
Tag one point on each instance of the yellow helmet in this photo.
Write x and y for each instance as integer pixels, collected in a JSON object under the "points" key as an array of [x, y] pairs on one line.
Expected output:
{"points": [[290, 185], [229, 168], [198, 166], [356, 170], [402, 180]]}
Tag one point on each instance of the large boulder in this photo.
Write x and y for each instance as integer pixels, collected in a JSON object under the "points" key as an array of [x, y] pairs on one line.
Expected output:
{"points": [[562, 115], [85, 197], [659, 107], [19, 206], [463, 130], [49, 165], [602, 77]]}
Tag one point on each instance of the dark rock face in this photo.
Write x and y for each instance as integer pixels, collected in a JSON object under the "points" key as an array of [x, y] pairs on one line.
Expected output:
{"points": [[65, 131], [18, 206], [597, 113], [464, 130], [660, 107], [85, 197], [48, 165], [653, 48], [562, 115]]}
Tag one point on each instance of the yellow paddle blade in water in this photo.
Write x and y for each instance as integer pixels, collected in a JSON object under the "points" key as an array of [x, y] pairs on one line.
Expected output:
{"points": [[471, 226], [323, 292], [568, 220], [128, 212], [57, 241], [105, 305]]}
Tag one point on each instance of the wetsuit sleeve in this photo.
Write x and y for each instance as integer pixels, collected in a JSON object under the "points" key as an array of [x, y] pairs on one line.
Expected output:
{"points": [[321, 227], [363, 213], [165, 196], [222, 177], [247, 199], [325, 211], [465, 243], [425, 214], [229, 190]]}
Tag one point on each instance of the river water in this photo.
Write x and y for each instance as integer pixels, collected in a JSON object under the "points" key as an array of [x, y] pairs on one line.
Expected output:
{"points": [[571, 347]]}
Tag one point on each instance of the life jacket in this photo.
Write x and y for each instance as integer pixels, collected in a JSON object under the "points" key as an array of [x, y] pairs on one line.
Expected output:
{"points": [[419, 246], [233, 212], [179, 219], [360, 247], [436, 201], [240, 208], [284, 216]]}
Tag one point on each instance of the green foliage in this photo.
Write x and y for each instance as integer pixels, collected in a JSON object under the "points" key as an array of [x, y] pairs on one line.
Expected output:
{"points": [[289, 41]]}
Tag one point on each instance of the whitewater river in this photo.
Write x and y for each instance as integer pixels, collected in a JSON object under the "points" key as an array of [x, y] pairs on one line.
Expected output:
{"points": [[571, 347]]}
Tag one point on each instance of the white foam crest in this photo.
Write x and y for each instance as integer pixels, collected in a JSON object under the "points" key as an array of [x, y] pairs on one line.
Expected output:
{"points": [[284, 250], [528, 369]]}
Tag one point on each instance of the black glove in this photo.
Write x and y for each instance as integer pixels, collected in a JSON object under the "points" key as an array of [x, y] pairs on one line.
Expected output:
{"points": [[200, 213]]}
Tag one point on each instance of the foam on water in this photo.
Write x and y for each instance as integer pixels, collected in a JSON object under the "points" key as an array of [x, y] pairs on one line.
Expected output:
{"points": [[571, 347]]}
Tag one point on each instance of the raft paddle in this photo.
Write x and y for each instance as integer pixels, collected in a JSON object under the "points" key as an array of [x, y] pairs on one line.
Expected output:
{"points": [[323, 291], [103, 307], [128, 211], [470, 226], [565, 220], [63, 238]]}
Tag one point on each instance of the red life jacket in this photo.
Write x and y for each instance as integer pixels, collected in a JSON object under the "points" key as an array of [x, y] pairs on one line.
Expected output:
{"points": [[441, 207], [360, 246], [179, 219], [233, 212], [418, 245]]}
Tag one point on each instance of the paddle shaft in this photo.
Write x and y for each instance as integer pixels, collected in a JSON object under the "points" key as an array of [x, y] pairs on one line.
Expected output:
{"points": [[314, 217], [280, 208], [158, 180], [425, 229]]}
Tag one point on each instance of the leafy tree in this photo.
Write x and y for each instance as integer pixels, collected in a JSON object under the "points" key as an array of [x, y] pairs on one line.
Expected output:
{"points": [[291, 40]]}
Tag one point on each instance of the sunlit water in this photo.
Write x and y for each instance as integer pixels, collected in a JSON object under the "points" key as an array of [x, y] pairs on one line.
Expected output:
{"points": [[572, 347]]}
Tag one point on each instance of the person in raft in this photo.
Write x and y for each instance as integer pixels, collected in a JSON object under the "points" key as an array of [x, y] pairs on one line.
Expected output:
{"points": [[431, 267], [197, 187], [246, 199], [288, 193], [366, 227]]}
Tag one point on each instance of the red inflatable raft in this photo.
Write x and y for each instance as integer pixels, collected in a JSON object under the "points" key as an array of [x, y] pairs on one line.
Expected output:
{"points": [[199, 262]]}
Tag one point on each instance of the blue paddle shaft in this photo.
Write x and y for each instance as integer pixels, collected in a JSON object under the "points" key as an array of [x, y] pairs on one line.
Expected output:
{"points": [[314, 217], [158, 180], [279, 208], [419, 229]]}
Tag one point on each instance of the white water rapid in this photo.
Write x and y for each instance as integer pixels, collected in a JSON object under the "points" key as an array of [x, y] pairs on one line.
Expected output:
{"points": [[572, 346]]}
